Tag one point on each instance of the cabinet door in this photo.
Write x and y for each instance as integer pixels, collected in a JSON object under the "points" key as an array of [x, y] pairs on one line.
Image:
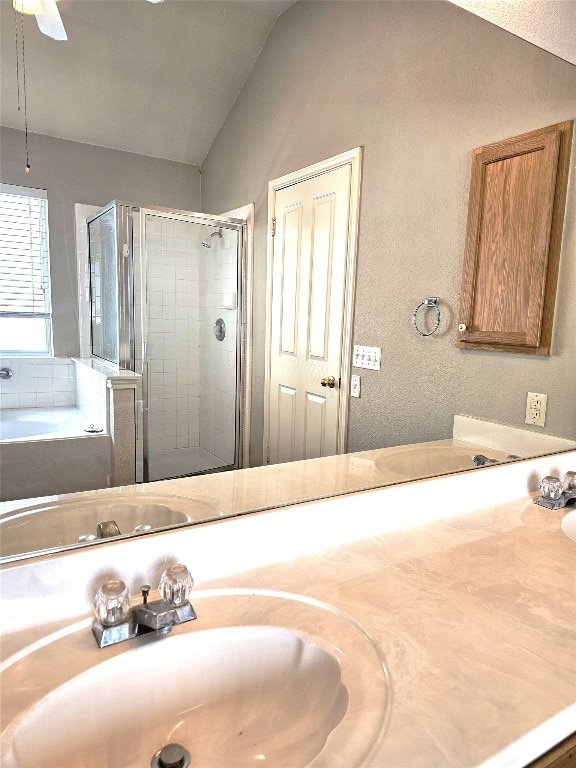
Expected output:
{"points": [[515, 217]]}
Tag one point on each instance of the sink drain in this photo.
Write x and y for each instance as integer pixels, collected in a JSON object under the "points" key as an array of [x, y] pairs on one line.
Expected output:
{"points": [[171, 756]]}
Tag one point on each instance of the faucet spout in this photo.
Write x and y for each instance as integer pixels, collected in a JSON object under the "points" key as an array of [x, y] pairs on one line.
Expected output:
{"points": [[483, 461], [107, 529]]}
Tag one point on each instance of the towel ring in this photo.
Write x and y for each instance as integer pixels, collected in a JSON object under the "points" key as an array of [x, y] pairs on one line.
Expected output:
{"points": [[432, 303]]}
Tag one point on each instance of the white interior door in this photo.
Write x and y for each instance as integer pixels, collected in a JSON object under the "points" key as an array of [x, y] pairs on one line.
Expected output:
{"points": [[311, 273]]}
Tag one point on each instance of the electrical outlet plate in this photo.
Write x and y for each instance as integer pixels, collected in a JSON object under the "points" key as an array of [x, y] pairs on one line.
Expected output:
{"points": [[355, 385], [366, 357], [536, 409]]}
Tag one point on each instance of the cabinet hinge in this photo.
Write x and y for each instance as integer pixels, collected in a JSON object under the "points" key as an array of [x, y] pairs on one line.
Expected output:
{"points": [[268, 455], [273, 227]]}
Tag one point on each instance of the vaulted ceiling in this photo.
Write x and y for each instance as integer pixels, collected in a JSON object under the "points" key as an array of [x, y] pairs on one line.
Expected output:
{"points": [[154, 79], [159, 79]]}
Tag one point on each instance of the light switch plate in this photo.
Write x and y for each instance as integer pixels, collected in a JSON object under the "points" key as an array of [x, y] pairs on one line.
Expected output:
{"points": [[366, 357], [355, 385]]}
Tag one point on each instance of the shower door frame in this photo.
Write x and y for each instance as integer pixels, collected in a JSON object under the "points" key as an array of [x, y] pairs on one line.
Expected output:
{"points": [[124, 239], [209, 220]]}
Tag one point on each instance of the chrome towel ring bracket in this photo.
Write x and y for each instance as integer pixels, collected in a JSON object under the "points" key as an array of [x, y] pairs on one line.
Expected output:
{"points": [[431, 303]]}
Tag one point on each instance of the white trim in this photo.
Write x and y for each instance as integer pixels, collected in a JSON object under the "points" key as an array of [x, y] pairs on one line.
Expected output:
{"points": [[353, 158], [13, 189]]}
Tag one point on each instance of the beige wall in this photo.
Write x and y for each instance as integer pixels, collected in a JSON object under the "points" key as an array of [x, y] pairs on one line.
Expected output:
{"points": [[82, 173], [419, 85]]}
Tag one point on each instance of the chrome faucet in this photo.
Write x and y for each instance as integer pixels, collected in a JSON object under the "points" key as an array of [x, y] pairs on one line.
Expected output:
{"points": [[107, 529], [103, 531], [483, 461], [117, 621], [557, 493]]}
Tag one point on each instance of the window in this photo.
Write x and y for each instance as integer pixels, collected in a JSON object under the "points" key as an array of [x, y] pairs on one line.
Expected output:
{"points": [[25, 313]]}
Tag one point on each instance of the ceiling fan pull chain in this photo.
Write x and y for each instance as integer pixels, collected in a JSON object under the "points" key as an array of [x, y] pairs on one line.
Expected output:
{"points": [[27, 169], [17, 57]]}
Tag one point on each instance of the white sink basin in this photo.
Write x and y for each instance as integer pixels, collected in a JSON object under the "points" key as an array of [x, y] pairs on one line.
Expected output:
{"points": [[568, 525], [425, 461], [61, 523], [304, 687]]}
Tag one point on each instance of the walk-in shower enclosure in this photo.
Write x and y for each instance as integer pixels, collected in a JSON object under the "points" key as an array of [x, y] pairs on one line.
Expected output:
{"points": [[166, 302]]}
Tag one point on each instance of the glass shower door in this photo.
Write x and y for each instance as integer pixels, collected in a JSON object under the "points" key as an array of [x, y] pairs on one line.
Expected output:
{"points": [[191, 315], [104, 285], [110, 239]]}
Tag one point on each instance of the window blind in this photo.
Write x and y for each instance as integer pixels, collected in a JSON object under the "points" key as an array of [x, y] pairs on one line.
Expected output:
{"points": [[24, 263]]}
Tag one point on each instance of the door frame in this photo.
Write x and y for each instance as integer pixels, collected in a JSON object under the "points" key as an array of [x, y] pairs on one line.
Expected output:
{"points": [[353, 158]]}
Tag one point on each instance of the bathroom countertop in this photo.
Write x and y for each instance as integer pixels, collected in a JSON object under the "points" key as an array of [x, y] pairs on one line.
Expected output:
{"points": [[473, 614], [474, 617]]}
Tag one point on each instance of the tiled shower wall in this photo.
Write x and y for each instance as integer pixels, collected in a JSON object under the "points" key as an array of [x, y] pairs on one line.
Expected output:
{"points": [[218, 300], [173, 334]]}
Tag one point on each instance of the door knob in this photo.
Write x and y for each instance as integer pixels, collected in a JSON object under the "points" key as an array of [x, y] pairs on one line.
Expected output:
{"points": [[329, 381]]}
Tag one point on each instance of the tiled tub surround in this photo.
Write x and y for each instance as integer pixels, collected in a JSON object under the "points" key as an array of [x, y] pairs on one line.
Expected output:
{"points": [[466, 586], [38, 382], [106, 395], [92, 392], [43, 446], [59, 456]]}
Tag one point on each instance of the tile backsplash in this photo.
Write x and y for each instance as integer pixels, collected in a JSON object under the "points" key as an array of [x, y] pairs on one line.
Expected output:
{"points": [[38, 382]]}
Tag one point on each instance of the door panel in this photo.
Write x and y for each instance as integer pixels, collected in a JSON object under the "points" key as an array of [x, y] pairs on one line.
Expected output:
{"points": [[309, 272], [286, 421], [290, 263], [314, 426], [321, 268]]}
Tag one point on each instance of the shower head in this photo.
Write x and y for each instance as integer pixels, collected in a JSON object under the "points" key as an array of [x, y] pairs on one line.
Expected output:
{"points": [[208, 242]]}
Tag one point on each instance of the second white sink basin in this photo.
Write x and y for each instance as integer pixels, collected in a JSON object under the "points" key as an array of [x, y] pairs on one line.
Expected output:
{"points": [[568, 525], [428, 460], [60, 523], [279, 681]]}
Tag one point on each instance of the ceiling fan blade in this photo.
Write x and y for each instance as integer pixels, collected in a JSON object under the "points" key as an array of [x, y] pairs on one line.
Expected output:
{"points": [[49, 22]]}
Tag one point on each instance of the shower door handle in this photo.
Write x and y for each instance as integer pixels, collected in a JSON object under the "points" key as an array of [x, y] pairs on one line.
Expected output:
{"points": [[328, 381]]}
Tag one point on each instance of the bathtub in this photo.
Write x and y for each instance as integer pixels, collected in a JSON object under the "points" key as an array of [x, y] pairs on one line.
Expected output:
{"points": [[46, 451], [41, 423]]}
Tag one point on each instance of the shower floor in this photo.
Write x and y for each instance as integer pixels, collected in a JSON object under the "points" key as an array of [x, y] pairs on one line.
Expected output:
{"points": [[182, 461]]}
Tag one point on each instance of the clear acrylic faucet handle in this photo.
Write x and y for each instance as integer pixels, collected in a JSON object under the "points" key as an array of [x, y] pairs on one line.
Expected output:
{"points": [[569, 481], [112, 603], [176, 584], [551, 487]]}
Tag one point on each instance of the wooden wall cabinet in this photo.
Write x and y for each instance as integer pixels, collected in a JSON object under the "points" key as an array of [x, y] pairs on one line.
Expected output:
{"points": [[514, 234]]}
